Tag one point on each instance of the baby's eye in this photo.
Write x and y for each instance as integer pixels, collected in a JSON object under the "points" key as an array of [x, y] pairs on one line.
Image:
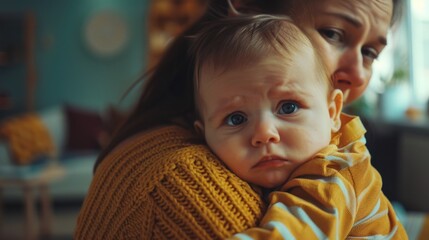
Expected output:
{"points": [[235, 119], [288, 108], [332, 35]]}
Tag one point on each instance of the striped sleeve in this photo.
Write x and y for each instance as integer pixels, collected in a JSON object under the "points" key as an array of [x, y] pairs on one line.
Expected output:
{"points": [[336, 195]]}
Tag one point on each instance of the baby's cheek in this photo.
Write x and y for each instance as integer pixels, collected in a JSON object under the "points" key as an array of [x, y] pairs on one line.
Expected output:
{"points": [[306, 143], [226, 151]]}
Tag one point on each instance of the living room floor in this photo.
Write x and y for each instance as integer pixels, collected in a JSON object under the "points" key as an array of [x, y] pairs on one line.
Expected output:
{"points": [[12, 222]]}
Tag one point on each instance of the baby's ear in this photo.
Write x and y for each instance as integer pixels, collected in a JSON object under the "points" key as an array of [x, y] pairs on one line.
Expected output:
{"points": [[335, 108], [199, 127]]}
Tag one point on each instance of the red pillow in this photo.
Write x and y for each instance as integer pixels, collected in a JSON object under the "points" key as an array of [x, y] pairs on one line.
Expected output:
{"points": [[83, 129]]}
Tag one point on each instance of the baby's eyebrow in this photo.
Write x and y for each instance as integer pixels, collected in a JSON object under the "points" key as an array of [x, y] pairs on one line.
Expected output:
{"points": [[288, 91], [226, 105]]}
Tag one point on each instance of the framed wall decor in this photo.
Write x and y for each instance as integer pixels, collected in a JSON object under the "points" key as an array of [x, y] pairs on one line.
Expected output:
{"points": [[106, 33]]}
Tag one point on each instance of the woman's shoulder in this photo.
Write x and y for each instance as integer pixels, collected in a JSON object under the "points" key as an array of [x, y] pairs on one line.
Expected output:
{"points": [[171, 136], [171, 152], [153, 155], [171, 168], [152, 145]]}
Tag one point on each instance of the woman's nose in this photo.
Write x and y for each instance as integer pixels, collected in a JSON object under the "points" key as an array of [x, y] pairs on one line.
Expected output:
{"points": [[351, 71], [265, 132]]}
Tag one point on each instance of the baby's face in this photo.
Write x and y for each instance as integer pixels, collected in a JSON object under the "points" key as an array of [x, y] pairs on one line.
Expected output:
{"points": [[267, 118]]}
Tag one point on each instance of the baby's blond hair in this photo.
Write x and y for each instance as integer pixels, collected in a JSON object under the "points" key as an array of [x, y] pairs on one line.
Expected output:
{"points": [[242, 40]]}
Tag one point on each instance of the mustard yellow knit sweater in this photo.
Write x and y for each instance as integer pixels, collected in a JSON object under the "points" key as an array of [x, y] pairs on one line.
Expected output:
{"points": [[148, 186]]}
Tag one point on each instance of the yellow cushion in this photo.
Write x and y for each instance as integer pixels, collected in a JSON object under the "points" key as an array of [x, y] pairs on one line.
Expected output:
{"points": [[28, 138]]}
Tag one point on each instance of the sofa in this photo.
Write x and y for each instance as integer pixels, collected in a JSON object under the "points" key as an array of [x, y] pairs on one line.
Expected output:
{"points": [[75, 135]]}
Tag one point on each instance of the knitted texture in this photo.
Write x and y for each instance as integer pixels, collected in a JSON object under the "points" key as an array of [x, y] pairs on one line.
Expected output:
{"points": [[164, 185]]}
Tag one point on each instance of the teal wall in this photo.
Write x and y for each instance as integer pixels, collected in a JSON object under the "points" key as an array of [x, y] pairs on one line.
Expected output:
{"points": [[68, 72]]}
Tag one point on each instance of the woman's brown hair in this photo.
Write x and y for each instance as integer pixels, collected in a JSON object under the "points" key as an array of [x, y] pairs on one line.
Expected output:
{"points": [[168, 94]]}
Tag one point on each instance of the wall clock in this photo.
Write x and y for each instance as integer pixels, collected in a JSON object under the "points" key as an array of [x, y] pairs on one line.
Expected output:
{"points": [[106, 33]]}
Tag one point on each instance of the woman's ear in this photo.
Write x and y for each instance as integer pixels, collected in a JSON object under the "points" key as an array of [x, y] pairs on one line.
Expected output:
{"points": [[199, 127], [335, 108]]}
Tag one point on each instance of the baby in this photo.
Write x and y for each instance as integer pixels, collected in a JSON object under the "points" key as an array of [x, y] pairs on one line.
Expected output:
{"points": [[268, 110]]}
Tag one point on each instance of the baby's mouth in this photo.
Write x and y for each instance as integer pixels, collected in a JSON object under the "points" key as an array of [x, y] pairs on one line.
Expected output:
{"points": [[270, 161]]}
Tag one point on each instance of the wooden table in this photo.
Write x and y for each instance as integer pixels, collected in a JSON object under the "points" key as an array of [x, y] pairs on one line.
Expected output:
{"points": [[29, 184]]}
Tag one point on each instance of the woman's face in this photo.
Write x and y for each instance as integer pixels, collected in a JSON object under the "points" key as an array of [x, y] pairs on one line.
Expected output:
{"points": [[348, 34]]}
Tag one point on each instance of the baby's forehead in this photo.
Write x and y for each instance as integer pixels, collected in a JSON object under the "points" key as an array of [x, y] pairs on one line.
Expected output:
{"points": [[270, 64], [269, 57], [274, 57]]}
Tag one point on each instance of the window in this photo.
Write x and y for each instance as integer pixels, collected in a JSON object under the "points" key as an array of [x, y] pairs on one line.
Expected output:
{"points": [[419, 39], [400, 78]]}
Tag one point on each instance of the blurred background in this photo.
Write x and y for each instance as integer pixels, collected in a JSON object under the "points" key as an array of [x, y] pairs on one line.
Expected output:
{"points": [[65, 67]]}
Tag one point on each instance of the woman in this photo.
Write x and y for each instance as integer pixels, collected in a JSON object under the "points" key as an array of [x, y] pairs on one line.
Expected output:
{"points": [[158, 180]]}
